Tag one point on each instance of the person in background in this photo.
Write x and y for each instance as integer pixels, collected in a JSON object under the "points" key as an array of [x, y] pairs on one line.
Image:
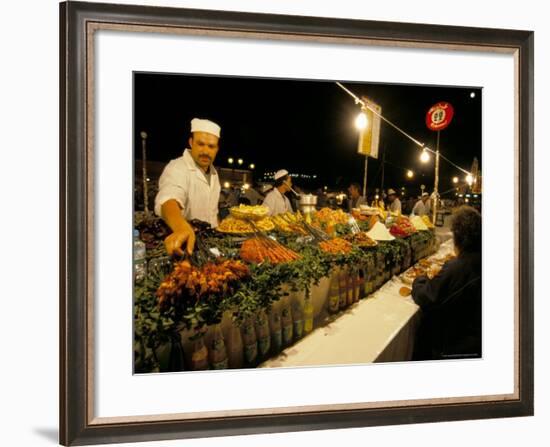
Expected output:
{"points": [[189, 187], [321, 198], [394, 202], [451, 300], [253, 196], [419, 208], [355, 198], [276, 200]]}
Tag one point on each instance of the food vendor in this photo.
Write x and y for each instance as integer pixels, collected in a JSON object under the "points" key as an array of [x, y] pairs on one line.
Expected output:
{"points": [[395, 203], [275, 199], [189, 187], [355, 198], [451, 300], [421, 207]]}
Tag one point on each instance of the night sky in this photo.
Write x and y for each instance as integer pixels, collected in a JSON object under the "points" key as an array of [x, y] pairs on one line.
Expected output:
{"points": [[307, 126]]}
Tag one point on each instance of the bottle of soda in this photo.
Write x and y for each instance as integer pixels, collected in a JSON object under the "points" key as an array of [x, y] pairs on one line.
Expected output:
{"points": [[199, 358], [218, 353], [286, 323], [264, 336], [249, 343], [140, 266], [235, 348], [308, 315], [276, 331]]}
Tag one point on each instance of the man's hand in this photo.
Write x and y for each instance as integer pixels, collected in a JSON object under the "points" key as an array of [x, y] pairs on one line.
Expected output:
{"points": [[184, 235], [182, 231]]}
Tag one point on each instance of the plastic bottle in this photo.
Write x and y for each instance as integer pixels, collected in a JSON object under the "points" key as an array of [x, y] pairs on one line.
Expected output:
{"points": [[343, 289], [250, 345], [308, 315], [140, 266], [334, 294], [276, 331], [264, 336], [218, 353]]}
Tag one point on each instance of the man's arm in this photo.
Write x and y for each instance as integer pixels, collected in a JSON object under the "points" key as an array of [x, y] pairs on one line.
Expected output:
{"points": [[182, 232]]}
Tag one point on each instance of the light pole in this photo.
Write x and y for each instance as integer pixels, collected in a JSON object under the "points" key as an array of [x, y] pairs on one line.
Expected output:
{"points": [[144, 173]]}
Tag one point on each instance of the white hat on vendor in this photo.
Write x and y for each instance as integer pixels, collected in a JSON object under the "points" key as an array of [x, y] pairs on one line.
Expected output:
{"points": [[280, 174], [425, 194], [201, 125], [391, 191]]}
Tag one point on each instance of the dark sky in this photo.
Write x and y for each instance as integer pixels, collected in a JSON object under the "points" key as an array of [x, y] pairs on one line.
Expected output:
{"points": [[307, 126]]}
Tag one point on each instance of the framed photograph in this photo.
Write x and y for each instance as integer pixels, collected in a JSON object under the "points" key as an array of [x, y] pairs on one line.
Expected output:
{"points": [[274, 223]]}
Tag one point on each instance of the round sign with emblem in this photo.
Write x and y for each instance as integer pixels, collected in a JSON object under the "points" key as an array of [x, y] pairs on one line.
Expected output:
{"points": [[439, 116]]}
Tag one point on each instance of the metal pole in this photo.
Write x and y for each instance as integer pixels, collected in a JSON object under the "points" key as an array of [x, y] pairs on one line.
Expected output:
{"points": [[144, 172], [365, 178], [436, 182]]}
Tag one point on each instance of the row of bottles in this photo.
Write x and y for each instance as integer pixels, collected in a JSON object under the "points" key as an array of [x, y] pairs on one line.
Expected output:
{"points": [[257, 339]]}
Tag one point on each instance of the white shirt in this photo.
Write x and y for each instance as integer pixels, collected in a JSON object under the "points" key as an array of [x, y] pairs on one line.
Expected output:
{"points": [[395, 206], [183, 181], [419, 209], [277, 202]]}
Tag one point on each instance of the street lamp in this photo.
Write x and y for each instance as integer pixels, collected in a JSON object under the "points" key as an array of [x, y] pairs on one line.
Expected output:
{"points": [[240, 161], [230, 160], [455, 179], [361, 121], [424, 156], [252, 165], [410, 174]]}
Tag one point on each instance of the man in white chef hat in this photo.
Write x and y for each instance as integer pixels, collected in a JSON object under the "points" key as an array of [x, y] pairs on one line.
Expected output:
{"points": [[275, 199], [189, 187]]}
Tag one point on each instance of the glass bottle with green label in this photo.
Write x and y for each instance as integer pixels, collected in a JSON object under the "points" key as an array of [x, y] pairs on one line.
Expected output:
{"points": [[218, 352]]}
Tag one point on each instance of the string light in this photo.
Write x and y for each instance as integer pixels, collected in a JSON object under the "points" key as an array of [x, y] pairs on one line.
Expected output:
{"points": [[361, 121], [424, 156], [410, 174]]}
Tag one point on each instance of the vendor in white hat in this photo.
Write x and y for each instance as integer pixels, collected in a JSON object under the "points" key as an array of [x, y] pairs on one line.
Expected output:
{"points": [[275, 199], [395, 203], [420, 208], [189, 187]]}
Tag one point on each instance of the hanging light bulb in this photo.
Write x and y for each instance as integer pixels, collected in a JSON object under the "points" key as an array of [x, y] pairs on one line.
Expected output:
{"points": [[455, 179], [424, 156], [361, 121], [410, 174], [469, 179]]}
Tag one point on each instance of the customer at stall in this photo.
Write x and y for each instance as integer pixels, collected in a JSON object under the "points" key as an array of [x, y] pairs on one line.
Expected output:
{"points": [[419, 208], [189, 187], [355, 198], [395, 203], [276, 200], [451, 300]]}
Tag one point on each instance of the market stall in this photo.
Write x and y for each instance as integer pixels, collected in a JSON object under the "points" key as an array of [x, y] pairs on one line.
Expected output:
{"points": [[258, 286]]}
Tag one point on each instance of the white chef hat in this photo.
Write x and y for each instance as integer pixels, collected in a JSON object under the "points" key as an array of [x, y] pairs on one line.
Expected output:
{"points": [[425, 194], [280, 174], [200, 125], [391, 191]]}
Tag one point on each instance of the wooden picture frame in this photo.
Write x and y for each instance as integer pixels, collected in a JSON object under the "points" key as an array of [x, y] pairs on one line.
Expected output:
{"points": [[78, 22]]}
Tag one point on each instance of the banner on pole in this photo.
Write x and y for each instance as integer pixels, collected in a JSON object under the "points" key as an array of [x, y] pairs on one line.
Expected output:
{"points": [[369, 138]]}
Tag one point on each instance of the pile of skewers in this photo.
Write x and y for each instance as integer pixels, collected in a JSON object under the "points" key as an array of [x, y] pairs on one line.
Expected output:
{"points": [[264, 249]]}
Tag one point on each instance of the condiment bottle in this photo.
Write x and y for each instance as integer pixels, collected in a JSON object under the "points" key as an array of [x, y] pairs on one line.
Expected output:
{"points": [[264, 336], [276, 331], [218, 353], [298, 320], [235, 347], [199, 358], [286, 323], [250, 343], [308, 315], [334, 293]]}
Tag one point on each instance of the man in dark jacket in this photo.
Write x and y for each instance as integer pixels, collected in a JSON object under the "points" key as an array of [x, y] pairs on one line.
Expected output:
{"points": [[451, 300]]}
